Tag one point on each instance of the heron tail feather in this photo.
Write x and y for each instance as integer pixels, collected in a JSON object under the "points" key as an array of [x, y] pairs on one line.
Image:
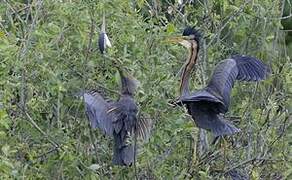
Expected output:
{"points": [[222, 127]]}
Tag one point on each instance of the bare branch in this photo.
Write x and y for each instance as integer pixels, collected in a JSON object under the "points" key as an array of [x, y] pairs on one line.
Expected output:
{"points": [[34, 124]]}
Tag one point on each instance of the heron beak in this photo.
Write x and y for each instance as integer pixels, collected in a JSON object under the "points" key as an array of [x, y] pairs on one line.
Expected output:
{"points": [[183, 40], [176, 39]]}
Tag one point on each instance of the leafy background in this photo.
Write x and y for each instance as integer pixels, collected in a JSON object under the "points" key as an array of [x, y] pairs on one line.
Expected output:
{"points": [[49, 55]]}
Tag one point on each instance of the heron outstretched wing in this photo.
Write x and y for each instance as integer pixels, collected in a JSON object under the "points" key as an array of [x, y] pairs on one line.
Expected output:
{"points": [[144, 126], [99, 112], [243, 68]]}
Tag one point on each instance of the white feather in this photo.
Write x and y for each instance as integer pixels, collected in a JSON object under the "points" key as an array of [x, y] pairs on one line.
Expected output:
{"points": [[107, 41]]}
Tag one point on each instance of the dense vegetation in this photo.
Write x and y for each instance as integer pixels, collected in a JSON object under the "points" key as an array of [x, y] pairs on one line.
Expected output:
{"points": [[49, 55]]}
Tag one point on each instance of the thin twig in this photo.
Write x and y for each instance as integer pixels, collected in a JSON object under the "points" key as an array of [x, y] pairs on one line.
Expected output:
{"points": [[235, 14], [34, 124], [185, 20], [275, 18], [240, 164], [167, 152], [46, 153], [15, 12]]}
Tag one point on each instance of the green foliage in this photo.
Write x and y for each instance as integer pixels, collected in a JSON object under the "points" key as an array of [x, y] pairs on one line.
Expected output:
{"points": [[49, 55]]}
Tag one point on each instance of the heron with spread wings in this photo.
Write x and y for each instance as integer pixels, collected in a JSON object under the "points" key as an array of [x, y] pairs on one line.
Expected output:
{"points": [[207, 105], [118, 119]]}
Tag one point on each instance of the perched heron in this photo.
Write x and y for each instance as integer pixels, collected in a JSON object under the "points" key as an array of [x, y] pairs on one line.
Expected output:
{"points": [[118, 119], [207, 105]]}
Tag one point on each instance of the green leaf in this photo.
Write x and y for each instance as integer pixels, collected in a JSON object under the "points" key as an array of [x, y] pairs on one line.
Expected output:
{"points": [[170, 28], [94, 167], [5, 149]]}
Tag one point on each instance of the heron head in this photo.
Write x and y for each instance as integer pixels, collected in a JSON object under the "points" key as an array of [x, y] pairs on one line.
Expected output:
{"points": [[190, 36]]}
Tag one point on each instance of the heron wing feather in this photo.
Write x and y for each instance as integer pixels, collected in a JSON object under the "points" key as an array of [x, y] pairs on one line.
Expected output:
{"points": [[243, 68], [99, 112], [144, 125]]}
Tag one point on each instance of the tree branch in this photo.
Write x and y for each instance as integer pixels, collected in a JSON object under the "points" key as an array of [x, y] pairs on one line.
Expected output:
{"points": [[34, 124]]}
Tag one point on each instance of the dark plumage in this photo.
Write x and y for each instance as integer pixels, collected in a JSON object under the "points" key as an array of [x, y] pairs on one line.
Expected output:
{"points": [[101, 42], [118, 119], [207, 104]]}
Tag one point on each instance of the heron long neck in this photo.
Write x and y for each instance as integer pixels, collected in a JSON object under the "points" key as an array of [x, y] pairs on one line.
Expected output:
{"points": [[188, 67], [129, 83]]}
